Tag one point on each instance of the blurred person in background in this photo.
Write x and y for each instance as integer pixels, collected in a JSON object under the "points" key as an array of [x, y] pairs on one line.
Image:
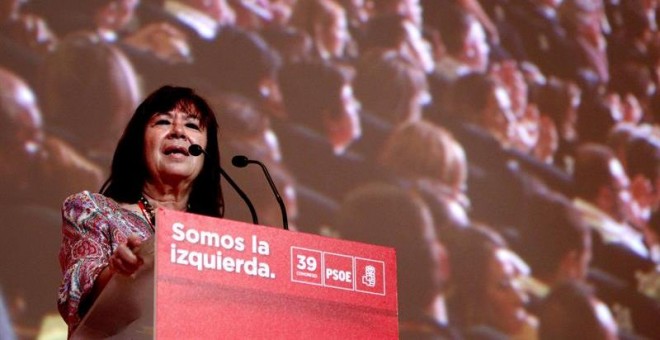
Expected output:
{"points": [[431, 9], [245, 126], [199, 20], [88, 88], [110, 19], [636, 84], [571, 311], [243, 63], [464, 40], [548, 141], [323, 115], [410, 9], [619, 139], [25, 39], [482, 102], [481, 120], [189, 31], [559, 101], [391, 91], [583, 22], [38, 171], [597, 116], [357, 14], [634, 29], [38, 159], [449, 214], [604, 200], [24, 28], [246, 130], [159, 43], [417, 46], [485, 287], [397, 33], [326, 23], [527, 125], [543, 37], [384, 32], [292, 44], [555, 241], [642, 164], [419, 151], [426, 158], [391, 216], [252, 15]]}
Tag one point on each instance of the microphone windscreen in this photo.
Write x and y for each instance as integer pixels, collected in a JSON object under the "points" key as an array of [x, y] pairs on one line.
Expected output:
{"points": [[195, 149], [239, 161]]}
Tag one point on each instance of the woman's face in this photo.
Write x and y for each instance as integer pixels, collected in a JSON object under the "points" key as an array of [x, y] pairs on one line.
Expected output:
{"points": [[505, 300], [166, 140]]}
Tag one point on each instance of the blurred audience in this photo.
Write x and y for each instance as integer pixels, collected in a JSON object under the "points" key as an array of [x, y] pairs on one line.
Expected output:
{"points": [[325, 21], [572, 311], [88, 89], [423, 151], [391, 216], [485, 286], [538, 118], [324, 117], [36, 160]]}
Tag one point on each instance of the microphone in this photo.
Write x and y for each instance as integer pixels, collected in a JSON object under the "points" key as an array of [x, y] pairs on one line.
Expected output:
{"points": [[241, 161], [196, 150]]}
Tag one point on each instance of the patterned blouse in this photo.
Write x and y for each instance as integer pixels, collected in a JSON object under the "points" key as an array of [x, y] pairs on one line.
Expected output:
{"points": [[92, 227]]}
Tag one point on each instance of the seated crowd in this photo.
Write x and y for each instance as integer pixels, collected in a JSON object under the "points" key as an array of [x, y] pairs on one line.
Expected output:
{"points": [[508, 150]]}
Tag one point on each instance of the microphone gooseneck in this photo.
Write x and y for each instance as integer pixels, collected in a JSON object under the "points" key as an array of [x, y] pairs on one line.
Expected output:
{"points": [[196, 150], [241, 161]]}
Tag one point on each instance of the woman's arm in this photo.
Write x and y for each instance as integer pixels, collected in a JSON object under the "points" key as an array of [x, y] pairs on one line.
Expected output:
{"points": [[87, 258]]}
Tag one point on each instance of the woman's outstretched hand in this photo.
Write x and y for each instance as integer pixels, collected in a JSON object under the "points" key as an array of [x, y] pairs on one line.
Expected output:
{"points": [[125, 259]]}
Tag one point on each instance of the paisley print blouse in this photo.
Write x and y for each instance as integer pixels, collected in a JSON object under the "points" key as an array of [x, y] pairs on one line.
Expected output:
{"points": [[93, 225]]}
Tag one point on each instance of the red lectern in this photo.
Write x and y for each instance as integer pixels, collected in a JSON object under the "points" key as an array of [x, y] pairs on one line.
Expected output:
{"points": [[217, 278]]}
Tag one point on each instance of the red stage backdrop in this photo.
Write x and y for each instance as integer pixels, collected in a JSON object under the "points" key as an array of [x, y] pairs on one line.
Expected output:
{"points": [[218, 278]]}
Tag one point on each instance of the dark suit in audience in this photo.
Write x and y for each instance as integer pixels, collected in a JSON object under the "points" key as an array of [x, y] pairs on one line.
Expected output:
{"points": [[314, 163], [543, 36]]}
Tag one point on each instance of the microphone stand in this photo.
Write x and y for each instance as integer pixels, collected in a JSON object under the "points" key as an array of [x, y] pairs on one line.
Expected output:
{"points": [[285, 220], [240, 192], [196, 150], [242, 161]]}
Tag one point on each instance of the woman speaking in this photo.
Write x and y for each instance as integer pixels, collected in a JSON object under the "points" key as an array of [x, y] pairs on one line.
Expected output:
{"points": [[151, 168]]}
